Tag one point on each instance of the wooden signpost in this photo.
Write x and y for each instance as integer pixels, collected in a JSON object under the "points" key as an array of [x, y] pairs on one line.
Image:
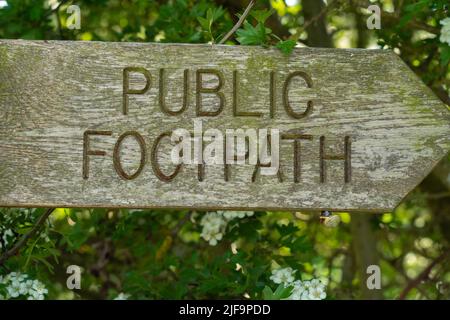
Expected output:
{"points": [[88, 124]]}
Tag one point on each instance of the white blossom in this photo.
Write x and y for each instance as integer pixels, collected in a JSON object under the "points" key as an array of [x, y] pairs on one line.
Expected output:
{"points": [[7, 234], [284, 276], [308, 290], [214, 224], [445, 31], [19, 285], [297, 291], [122, 296], [316, 284], [305, 296], [317, 293], [230, 215], [13, 290]]}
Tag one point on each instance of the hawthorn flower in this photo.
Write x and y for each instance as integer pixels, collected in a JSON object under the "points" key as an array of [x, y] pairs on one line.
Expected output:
{"points": [[19, 285], [30, 284], [39, 290], [122, 296], [284, 276], [212, 237], [317, 293], [230, 215], [306, 290], [23, 289], [7, 234], [305, 296], [297, 291], [14, 290], [445, 31], [316, 284], [214, 226]]}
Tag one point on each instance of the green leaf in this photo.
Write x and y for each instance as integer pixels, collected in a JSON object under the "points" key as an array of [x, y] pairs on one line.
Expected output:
{"points": [[203, 22], [286, 230], [213, 14], [251, 35], [262, 15], [267, 293], [286, 46], [280, 293], [445, 55], [217, 13]]}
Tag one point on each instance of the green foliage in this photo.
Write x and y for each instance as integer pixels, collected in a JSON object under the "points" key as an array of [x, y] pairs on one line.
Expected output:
{"points": [[253, 35], [212, 15], [153, 254], [280, 293], [445, 55], [286, 46]]}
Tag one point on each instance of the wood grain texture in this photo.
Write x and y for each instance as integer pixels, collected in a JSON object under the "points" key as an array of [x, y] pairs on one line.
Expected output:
{"points": [[52, 92]]}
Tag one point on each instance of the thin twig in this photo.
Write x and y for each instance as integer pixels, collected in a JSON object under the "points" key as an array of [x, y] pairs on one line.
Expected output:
{"points": [[22, 241], [399, 8], [239, 23], [438, 195], [318, 16], [314, 19], [180, 224], [422, 276]]}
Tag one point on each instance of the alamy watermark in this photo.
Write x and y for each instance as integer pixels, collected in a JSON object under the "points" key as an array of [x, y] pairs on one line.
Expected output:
{"points": [[374, 279], [74, 280], [235, 146], [74, 18], [374, 20]]}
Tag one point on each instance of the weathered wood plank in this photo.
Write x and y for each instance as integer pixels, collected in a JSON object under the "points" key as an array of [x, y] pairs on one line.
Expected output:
{"points": [[51, 93]]}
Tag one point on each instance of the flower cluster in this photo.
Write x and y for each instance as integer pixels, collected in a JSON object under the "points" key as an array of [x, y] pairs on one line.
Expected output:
{"points": [[445, 31], [214, 224], [283, 276], [308, 290], [20, 285], [122, 296], [301, 290]]}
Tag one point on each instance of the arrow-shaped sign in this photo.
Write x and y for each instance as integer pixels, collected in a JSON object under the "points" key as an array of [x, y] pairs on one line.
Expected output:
{"points": [[90, 124]]}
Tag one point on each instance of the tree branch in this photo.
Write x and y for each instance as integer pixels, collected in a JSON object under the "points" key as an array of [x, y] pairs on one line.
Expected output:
{"points": [[422, 276], [239, 23], [22, 241], [318, 16], [314, 12], [180, 224]]}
